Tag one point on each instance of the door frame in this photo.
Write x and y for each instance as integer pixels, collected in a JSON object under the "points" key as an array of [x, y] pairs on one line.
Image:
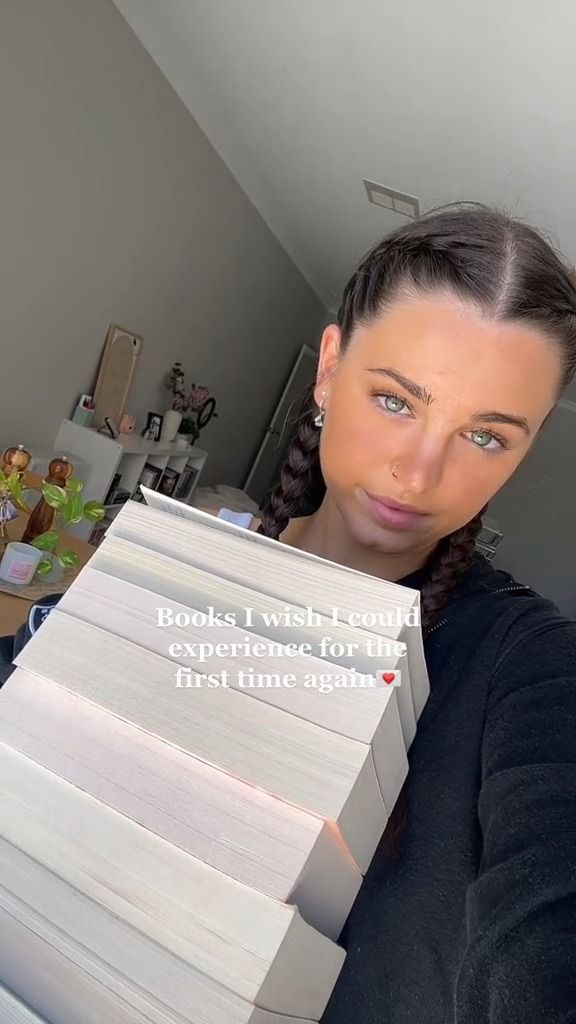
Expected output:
{"points": [[306, 352]]}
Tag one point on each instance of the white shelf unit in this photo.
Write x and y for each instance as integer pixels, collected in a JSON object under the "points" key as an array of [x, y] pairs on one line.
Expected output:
{"points": [[103, 458]]}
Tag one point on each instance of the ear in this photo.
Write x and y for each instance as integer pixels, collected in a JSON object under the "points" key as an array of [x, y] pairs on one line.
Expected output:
{"points": [[329, 355]]}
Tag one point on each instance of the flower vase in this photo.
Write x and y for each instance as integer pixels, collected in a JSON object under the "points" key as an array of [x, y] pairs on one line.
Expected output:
{"points": [[170, 424]]}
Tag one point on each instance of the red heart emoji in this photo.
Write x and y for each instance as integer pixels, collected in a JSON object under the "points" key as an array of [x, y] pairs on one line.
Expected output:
{"points": [[388, 677]]}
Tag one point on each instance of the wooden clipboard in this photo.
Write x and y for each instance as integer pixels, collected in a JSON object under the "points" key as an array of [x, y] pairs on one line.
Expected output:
{"points": [[117, 366]]}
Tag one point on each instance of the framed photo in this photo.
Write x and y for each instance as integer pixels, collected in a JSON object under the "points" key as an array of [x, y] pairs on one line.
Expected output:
{"points": [[187, 478], [149, 476], [168, 482], [153, 427]]}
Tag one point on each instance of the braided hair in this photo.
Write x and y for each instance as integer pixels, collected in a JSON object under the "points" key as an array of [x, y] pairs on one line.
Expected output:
{"points": [[508, 271]]}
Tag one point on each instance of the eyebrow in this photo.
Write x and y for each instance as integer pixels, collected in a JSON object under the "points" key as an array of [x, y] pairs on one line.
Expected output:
{"points": [[423, 395]]}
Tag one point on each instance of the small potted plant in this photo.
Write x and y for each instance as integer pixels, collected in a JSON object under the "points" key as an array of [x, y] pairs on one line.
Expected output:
{"points": [[188, 431], [69, 510], [193, 409], [202, 407]]}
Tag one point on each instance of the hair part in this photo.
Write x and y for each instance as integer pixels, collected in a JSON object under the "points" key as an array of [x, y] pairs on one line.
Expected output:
{"points": [[501, 266]]}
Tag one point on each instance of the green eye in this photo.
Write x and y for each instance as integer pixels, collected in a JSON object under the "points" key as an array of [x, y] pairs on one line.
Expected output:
{"points": [[393, 398], [501, 442], [395, 405], [382, 398]]}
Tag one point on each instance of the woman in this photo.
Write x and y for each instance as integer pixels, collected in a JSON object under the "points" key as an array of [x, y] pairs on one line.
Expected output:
{"points": [[455, 338]]}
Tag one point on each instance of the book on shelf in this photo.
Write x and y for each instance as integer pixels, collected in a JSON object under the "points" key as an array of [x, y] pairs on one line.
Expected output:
{"points": [[200, 749]]}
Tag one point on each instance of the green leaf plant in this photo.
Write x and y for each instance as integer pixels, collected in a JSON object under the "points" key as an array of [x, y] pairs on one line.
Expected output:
{"points": [[69, 510]]}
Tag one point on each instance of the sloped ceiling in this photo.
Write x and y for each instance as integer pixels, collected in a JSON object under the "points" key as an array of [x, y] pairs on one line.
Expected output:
{"points": [[445, 100]]}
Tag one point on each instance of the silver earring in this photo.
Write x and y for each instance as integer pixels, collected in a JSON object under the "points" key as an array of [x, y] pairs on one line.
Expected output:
{"points": [[319, 417]]}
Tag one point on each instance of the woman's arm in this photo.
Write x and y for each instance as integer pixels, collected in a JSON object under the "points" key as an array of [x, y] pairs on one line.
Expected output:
{"points": [[520, 963]]}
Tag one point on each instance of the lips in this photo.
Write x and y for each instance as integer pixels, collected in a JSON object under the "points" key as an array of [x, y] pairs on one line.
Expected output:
{"points": [[396, 505], [390, 515]]}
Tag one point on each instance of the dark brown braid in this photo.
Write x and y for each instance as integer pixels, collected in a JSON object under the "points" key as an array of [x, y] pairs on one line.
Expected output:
{"points": [[446, 565], [300, 486], [481, 255]]}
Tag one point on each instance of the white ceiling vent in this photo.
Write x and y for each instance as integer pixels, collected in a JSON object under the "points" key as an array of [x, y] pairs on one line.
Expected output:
{"points": [[399, 202]]}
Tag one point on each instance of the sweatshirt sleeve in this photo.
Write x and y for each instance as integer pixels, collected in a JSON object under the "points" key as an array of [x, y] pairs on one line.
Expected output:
{"points": [[519, 966]]}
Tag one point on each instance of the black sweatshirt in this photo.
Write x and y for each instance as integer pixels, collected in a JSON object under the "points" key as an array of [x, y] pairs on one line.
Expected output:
{"points": [[475, 922]]}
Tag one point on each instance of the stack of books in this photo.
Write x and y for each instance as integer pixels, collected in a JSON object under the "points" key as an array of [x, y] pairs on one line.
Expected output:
{"points": [[14, 1011], [199, 751]]}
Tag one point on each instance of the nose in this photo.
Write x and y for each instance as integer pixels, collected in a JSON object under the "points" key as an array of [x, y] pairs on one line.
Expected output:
{"points": [[421, 466]]}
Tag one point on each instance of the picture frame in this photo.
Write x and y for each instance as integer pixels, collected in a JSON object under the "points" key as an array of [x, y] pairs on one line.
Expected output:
{"points": [[153, 428], [168, 482], [149, 477], [187, 477]]}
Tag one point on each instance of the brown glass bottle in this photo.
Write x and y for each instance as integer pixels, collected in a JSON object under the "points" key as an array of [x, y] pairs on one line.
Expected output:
{"points": [[42, 516]]}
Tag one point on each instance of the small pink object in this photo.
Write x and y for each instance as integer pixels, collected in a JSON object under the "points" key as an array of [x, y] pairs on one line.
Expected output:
{"points": [[127, 424]]}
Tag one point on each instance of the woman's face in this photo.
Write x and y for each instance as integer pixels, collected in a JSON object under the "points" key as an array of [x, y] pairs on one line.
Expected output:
{"points": [[449, 453]]}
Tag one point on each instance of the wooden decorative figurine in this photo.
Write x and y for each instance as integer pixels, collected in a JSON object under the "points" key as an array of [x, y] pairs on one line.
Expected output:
{"points": [[42, 516], [13, 463]]}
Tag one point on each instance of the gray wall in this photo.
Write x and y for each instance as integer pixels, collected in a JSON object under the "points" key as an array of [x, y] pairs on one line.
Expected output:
{"points": [[535, 510], [114, 207]]}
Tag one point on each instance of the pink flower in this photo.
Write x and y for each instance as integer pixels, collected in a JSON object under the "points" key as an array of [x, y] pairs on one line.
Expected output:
{"points": [[198, 396]]}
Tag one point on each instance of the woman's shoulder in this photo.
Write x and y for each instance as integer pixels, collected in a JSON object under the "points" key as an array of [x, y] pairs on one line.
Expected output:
{"points": [[484, 578], [529, 625], [492, 608]]}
